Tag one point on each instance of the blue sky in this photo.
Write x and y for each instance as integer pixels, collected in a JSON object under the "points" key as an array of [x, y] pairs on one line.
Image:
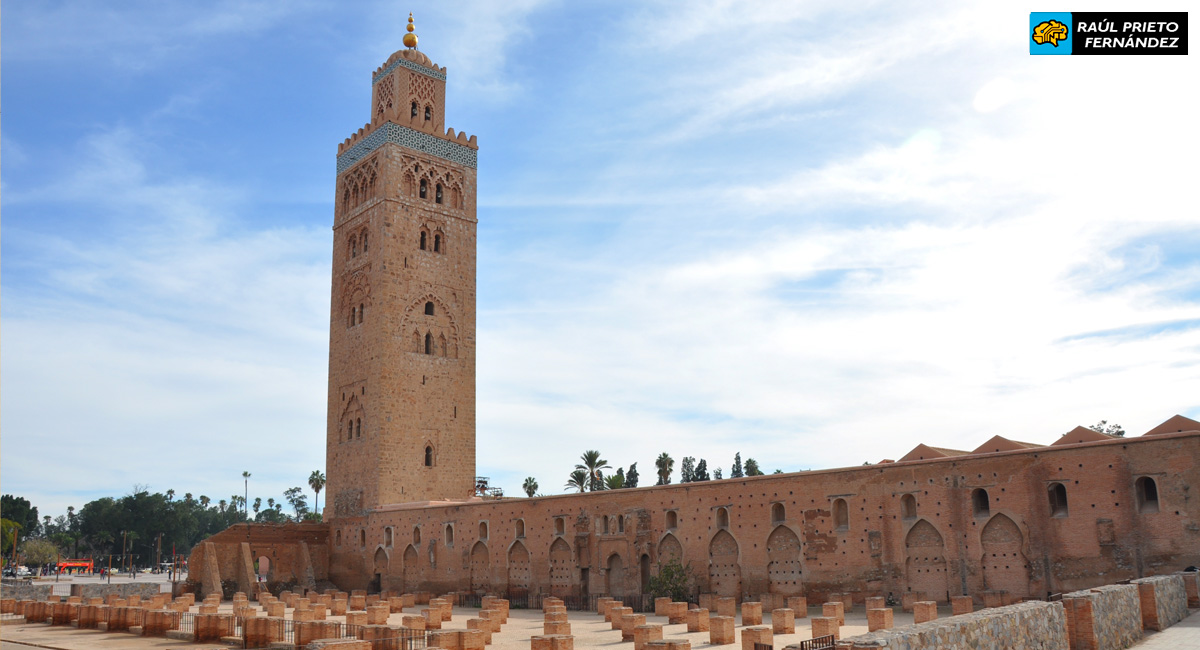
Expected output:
{"points": [[814, 233]]}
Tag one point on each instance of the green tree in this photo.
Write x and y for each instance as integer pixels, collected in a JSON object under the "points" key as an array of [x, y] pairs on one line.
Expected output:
{"points": [[257, 506], [593, 463], [716, 473], [736, 471], [674, 580], [7, 528], [530, 486], [316, 481], [614, 481], [664, 465], [631, 477], [752, 468], [701, 473], [295, 497], [19, 511], [38, 552], [578, 480], [687, 469], [1113, 429]]}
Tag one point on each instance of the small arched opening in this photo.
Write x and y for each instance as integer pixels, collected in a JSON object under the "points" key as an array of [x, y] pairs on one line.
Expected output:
{"points": [[449, 534], [1147, 494], [1057, 494], [980, 503], [672, 519], [908, 506], [483, 530], [560, 526], [520, 528], [777, 513], [841, 514], [429, 455], [722, 518]]}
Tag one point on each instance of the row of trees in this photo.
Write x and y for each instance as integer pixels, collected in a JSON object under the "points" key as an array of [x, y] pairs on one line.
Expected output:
{"points": [[142, 526], [589, 474]]}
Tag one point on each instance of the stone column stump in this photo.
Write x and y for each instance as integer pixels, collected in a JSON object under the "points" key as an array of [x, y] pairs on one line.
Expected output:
{"points": [[924, 611], [720, 630], [757, 634], [879, 618], [783, 621], [643, 634], [697, 620], [751, 613], [826, 625]]}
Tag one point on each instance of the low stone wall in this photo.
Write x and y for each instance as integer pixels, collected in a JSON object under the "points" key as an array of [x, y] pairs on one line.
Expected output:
{"points": [[1024, 626], [25, 590], [123, 589], [1169, 601], [1104, 618]]}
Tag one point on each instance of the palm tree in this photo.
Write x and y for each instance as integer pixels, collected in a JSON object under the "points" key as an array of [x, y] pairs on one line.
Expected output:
{"points": [[245, 499], [592, 464], [257, 506], [221, 504], [578, 480], [171, 494], [204, 501], [665, 465], [530, 486], [316, 481], [614, 482]]}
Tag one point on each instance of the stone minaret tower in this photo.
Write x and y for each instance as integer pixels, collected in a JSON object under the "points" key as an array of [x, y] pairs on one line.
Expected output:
{"points": [[401, 420]]}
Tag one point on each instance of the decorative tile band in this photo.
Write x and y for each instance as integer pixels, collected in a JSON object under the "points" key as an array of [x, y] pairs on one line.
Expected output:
{"points": [[406, 137], [415, 67]]}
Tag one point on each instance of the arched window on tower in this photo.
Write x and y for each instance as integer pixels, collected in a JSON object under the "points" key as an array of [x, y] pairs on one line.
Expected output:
{"points": [[429, 455], [1058, 500], [980, 502], [360, 313], [364, 243], [424, 236], [428, 113], [437, 243], [437, 193], [429, 308], [428, 343], [424, 191], [841, 514], [414, 109], [353, 247], [358, 428], [350, 430], [1147, 494], [353, 315]]}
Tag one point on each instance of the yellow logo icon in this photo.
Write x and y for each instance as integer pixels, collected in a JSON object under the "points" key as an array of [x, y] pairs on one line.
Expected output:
{"points": [[1050, 31]]}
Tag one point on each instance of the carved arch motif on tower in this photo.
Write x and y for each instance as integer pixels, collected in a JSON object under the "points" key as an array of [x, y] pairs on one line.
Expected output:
{"points": [[385, 95], [359, 184], [350, 421], [441, 186], [355, 296], [433, 334]]}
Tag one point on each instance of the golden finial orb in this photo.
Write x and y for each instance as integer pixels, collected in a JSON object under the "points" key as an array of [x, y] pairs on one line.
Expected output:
{"points": [[410, 39]]}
